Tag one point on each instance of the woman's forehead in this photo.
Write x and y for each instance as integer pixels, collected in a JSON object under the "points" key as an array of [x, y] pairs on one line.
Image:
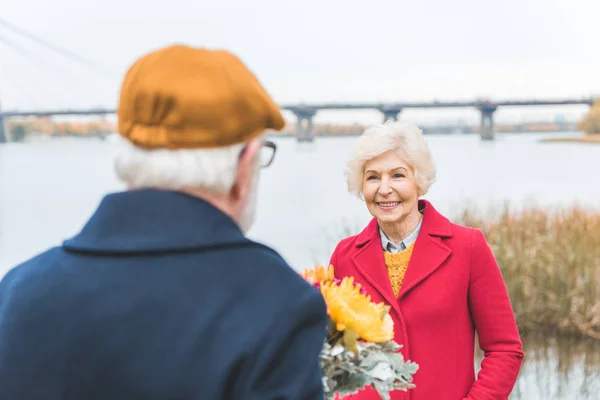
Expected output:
{"points": [[387, 161]]}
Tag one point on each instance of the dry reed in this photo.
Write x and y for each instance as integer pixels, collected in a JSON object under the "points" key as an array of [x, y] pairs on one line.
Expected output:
{"points": [[550, 260]]}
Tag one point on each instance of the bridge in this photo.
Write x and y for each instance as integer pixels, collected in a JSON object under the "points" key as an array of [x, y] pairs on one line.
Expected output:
{"points": [[391, 111], [305, 112]]}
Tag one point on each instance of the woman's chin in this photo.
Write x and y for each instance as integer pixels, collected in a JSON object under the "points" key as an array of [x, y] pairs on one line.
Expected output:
{"points": [[387, 218]]}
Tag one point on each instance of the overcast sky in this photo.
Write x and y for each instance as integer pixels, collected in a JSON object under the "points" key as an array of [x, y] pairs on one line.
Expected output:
{"points": [[314, 51]]}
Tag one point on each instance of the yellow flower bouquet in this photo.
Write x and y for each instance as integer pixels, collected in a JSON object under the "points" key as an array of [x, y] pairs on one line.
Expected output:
{"points": [[359, 350]]}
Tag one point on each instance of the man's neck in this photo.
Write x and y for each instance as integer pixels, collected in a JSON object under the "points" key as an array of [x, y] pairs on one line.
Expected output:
{"points": [[217, 200]]}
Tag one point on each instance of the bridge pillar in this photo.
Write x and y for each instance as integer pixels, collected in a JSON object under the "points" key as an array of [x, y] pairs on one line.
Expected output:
{"points": [[3, 128], [390, 113], [486, 128], [304, 133]]}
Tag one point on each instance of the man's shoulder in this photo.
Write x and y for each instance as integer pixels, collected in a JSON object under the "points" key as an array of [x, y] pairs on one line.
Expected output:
{"points": [[36, 267], [34, 279], [269, 267], [259, 257], [258, 281]]}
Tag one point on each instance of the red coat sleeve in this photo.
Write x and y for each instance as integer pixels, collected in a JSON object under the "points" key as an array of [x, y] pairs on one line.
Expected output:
{"points": [[495, 324], [333, 260]]}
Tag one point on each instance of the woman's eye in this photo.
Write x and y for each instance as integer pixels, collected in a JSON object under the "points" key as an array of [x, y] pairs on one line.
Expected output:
{"points": [[398, 175], [372, 177]]}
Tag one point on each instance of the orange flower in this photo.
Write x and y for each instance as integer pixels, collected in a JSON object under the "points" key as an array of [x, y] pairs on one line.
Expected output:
{"points": [[318, 274], [349, 308]]}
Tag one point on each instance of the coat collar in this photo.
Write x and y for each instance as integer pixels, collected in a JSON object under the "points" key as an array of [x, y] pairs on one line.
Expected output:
{"points": [[429, 254], [433, 223], [150, 221]]}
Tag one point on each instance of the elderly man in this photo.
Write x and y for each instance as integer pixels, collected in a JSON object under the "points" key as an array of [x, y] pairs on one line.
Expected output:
{"points": [[161, 295]]}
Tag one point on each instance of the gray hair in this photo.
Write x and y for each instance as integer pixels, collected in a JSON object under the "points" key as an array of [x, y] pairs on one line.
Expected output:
{"points": [[408, 142], [210, 169]]}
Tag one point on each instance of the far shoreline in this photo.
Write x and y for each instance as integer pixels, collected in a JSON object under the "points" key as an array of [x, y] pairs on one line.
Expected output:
{"points": [[593, 138]]}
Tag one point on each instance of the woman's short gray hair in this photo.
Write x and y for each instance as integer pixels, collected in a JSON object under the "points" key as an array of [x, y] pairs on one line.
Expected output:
{"points": [[406, 139]]}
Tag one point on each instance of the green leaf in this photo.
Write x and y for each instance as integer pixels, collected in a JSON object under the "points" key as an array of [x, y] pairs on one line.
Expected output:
{"points": [[379, 365], [350, 339]]}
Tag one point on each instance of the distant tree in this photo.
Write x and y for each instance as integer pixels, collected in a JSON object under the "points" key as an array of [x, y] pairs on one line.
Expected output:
{"points": [[591, 122]]}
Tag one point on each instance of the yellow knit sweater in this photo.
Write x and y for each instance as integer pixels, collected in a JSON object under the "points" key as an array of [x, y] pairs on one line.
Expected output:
{"points": [[397, 263]]}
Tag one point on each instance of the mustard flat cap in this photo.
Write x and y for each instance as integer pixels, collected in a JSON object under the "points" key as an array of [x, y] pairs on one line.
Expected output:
{"points": [[181, 97]]}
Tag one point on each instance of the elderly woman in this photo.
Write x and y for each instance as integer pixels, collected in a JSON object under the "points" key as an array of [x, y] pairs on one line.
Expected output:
{"points": [[440, 279]]}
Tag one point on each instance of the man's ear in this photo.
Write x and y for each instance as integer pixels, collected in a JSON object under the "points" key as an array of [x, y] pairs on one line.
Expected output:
{"points": [[246, 168]]}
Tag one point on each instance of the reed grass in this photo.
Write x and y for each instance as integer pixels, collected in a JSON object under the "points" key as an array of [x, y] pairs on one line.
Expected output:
{"points": [[550, 261]]}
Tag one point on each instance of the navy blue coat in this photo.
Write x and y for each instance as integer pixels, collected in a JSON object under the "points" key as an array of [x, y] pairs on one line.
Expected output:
{"points": [[160, 296]]}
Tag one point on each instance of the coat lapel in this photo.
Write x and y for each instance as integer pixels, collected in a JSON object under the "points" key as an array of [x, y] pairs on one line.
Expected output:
{"points": [[370, 263], [428, 255], [429, 252]]}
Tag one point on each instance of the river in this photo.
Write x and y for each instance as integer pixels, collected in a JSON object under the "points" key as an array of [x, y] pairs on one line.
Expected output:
{"points": [[48, 188]]}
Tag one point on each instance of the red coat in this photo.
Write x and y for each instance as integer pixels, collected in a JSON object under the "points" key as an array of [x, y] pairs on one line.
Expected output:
{"points": [[452, 289]]}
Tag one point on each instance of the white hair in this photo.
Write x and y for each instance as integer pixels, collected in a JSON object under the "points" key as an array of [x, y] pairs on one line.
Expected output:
{"points": [[405, 139], [210, 169]]}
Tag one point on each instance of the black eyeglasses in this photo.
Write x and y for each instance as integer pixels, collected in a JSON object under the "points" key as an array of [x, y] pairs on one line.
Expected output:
{"points": [[267, 153]]}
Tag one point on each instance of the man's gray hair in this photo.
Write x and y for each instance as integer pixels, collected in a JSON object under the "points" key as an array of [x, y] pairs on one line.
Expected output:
{"points": [[209, 169]]}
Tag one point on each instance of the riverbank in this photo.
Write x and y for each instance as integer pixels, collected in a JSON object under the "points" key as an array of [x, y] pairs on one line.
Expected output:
{"points": [[589, 139]]}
